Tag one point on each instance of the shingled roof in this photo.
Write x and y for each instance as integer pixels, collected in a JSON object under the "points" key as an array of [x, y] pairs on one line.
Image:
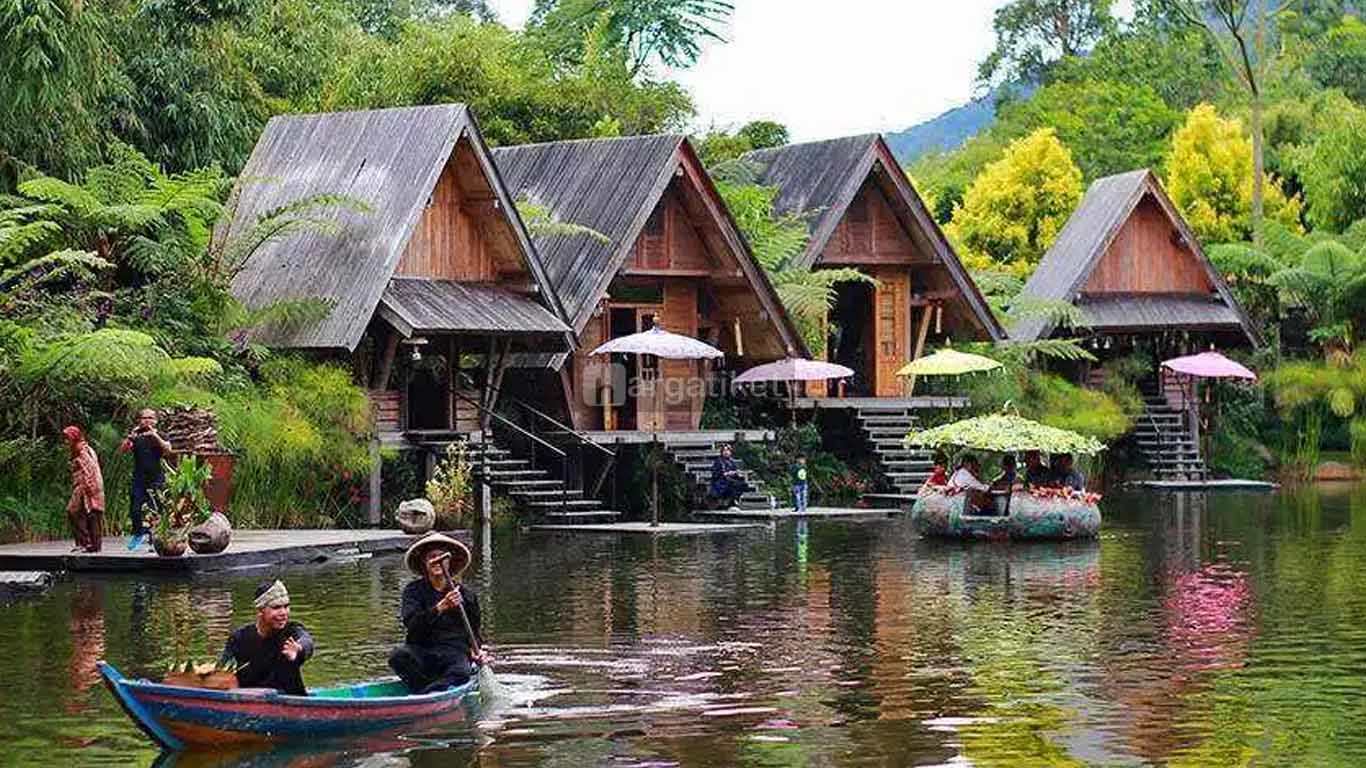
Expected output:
{"points": [[388, 158], [822, 178], [612, 186], [1107, 205]]}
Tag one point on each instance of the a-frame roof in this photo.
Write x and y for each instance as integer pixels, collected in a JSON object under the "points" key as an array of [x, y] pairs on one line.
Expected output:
{"points": [[821, 179], [1088, 234], [612, 186], [389, 159]]}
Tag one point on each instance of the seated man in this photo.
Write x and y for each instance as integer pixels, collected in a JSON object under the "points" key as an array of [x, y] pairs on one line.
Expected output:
{"points": [[965, 480], [727, 482], [1004, 484], [270, 652], [1065, 475], [1037, 474], [437, 653]]}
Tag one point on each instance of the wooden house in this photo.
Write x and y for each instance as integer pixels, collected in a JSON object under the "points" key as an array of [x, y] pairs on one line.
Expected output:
{"points": [[429, 273], [862, 212], [1128, 261], [663, 250]]}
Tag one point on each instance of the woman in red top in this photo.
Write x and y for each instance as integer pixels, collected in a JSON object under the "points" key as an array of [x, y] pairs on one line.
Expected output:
{"points": [[86, 508]]}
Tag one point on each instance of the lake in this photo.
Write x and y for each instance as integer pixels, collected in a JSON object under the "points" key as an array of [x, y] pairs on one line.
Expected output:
{"points": [[1199, 630]]}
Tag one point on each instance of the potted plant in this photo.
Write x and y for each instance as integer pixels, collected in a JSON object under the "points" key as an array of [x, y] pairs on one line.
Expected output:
{"points": [[451, 488], [181, 504]]}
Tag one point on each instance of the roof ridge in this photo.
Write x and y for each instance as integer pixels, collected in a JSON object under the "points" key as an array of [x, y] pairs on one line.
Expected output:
{"points": [[678, 137]]}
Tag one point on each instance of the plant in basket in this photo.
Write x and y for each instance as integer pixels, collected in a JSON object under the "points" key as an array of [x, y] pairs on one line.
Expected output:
{"points": [[181, 504], [451, 488]]}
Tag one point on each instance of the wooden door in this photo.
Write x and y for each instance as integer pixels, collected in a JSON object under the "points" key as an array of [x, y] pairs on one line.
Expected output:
{"points": [[891, 330]]}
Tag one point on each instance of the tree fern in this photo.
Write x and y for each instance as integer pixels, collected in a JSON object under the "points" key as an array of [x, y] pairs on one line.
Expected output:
{"points": [[540, 222], [1055, 312]]}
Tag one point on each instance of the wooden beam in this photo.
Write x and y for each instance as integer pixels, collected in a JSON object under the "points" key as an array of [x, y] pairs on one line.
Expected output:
{"points": [[919, 345], [699, 273]]}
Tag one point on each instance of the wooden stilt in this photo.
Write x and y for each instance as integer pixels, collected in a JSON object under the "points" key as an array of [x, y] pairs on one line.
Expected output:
{"points": [[376, 484]]}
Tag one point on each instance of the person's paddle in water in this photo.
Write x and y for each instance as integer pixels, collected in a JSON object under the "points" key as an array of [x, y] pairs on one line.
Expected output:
{"points": [[270, 651], [441, 619]]}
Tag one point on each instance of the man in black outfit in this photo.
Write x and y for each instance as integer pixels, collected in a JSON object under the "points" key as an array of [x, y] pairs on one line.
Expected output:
{"points": [[149, 448], [270, 651], [437, 652]]}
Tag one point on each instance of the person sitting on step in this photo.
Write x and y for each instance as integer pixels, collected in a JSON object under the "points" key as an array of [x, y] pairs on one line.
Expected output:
{"points": [[438, 615], [727, 481]]}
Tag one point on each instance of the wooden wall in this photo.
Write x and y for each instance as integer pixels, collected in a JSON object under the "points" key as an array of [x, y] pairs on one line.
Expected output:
{"points": [[461, 235], [869, 233], [1145, 258], [669, 242]]}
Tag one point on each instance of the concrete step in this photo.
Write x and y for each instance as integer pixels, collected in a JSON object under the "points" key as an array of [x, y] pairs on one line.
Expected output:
{"points": [[873, 418], [496, 475], [577, 504], [577, 515], [540, 494]]}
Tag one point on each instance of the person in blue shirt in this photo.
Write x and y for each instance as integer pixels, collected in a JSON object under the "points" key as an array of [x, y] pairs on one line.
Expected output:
{"points": [[799, 486]]}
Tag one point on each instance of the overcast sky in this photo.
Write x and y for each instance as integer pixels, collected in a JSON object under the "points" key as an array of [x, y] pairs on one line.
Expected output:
{"points": [[832, 69]]}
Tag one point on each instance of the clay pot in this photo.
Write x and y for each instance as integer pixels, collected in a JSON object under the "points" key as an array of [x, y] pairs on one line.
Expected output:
{"points": [[172, 547], [211, 536], [416, 516]]}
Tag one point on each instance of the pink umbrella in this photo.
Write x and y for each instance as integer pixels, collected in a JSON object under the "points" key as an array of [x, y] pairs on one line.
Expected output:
{"points": [[1209, 365], [794, 369], [660, 343]]}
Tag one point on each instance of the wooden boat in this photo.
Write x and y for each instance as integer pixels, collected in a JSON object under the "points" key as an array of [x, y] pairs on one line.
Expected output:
{"points": [[1028, 516], [178, 717]]}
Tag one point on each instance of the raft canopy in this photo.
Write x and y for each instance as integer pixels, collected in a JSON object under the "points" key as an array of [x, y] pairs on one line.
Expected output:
{"points": [[1005, 433]]}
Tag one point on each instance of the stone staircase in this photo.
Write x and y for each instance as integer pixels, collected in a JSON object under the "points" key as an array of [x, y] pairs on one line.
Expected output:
{"points": [[539, 491], [885, 428], [1167, 441], [696, 457]]}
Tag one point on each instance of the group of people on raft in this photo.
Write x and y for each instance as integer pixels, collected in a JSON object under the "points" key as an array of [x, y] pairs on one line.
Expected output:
{"points": [[994, 498], [437, 652]]}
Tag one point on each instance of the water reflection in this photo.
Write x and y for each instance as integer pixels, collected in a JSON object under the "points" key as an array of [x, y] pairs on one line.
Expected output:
{"points": [[1191, 631]]}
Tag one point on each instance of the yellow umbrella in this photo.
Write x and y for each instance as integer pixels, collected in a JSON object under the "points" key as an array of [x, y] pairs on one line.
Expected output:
{"points": [[948, 362]]}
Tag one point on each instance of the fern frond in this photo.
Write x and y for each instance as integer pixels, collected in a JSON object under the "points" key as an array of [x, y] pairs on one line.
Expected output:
{"points": [[49, 190], [17, 241], [57, 265], [540, 222], [1027, 352], [1062, 314]]}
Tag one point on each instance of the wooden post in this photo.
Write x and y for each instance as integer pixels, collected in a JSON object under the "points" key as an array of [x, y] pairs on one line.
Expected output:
{"points": [[386, 362], [920, 344], [376, 485]]}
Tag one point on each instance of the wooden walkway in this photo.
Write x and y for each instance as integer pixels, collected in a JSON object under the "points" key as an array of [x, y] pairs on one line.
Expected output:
{"points": [[637, 437], [249, 549], [788, 513], [645, 529], [1231, 484], [920, 402]]}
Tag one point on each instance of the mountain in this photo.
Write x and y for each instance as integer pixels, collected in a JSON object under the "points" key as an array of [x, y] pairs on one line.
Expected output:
{"points": [[947, 131]]}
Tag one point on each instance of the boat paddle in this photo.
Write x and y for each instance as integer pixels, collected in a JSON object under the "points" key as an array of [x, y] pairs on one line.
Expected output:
{"points": [[489, 689]]}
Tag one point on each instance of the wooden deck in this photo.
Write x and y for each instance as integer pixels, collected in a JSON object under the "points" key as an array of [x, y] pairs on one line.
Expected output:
{"points": [[249, 549], [788, 513], [1231, 484], [914, 403], [645, 529], [637, 437]]}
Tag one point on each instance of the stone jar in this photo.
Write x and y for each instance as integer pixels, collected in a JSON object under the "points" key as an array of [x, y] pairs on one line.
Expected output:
{"points": [[211, 536], [416, 516]]}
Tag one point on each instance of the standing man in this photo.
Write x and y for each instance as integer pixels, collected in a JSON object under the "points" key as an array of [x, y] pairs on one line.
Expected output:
{"points": [[437, 652], [270, 651], [149, 448]]}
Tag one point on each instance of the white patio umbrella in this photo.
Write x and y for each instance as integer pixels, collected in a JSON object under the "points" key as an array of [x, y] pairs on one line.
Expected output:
{"points": [[794, 369], [660, 343]]}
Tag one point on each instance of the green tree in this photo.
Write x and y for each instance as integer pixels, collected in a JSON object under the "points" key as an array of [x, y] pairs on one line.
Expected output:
{"points": [[670, 32], [1109, 127], [1209, 177], [518, 93], [1339, 61], [1245, 32], [763, 134], [1017, 206], [60, 74], [1329, 285], [1180, 65], [942, 178], [1334, 173], [1032, 34]]}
